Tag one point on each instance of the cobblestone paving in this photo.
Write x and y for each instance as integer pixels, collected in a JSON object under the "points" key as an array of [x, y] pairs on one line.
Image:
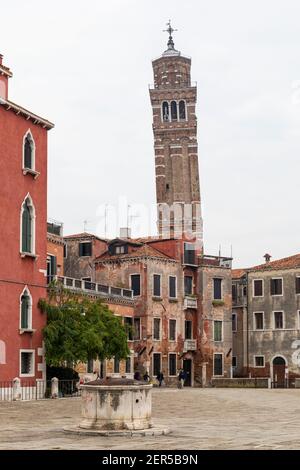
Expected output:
{"points": [[198, 418]]}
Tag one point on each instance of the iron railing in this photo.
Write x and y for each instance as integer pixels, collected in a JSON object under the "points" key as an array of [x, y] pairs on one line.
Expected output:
{"points": [[39, 390]]}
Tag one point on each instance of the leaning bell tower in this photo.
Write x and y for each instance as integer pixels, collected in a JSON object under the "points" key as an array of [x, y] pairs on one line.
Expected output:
{"points": [[173, 99]]}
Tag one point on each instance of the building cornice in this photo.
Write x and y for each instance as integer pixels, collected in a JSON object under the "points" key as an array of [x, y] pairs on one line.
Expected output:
{"points": [[18, 110]]}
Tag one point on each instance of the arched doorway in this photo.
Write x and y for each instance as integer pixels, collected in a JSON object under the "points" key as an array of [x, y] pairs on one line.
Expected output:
{"points": [[279, 365]]}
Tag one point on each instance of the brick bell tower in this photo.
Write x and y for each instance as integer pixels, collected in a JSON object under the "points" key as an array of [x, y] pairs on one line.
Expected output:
{"points": [[173, 98]]}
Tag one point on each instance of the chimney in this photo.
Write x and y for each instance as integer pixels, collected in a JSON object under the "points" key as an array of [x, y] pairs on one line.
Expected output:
{"points": [[267, 258], [125, 232], [1, 59]]}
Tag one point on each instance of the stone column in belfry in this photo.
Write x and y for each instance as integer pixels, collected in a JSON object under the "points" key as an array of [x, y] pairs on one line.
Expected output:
{"points": [[173, 98]]}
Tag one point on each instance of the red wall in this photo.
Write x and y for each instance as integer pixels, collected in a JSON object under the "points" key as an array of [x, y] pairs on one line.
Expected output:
{"points": [[16, 272]]}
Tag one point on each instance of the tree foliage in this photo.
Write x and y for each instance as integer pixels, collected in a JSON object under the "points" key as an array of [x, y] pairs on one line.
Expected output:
{"points": [[79, 329]]}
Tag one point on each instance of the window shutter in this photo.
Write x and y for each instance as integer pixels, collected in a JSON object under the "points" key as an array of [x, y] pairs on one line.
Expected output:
{"points": [[26, 228], [27, 154], [53, 266], [24, 311]]}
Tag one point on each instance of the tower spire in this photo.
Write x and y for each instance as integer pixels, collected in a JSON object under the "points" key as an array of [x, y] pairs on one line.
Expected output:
{"points": [[170, 31]]}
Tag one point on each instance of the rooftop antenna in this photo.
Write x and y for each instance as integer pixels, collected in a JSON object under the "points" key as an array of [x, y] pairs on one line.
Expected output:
{"points": [[219, 251], [85, 222], [105, 221]]}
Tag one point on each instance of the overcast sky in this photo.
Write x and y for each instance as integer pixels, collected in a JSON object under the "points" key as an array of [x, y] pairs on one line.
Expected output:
{"points": [[86, 66]]}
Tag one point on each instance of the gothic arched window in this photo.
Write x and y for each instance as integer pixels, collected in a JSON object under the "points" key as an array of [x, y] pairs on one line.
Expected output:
{"points": [[174, 111], [29, 152], [182, 111], [26, 305], [27, 220], [165, 111]]}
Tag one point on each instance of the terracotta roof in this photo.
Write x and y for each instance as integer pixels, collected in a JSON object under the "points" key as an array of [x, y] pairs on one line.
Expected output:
{"points": [[238, 273], [283, 263], [84, 235], [140, 252]]}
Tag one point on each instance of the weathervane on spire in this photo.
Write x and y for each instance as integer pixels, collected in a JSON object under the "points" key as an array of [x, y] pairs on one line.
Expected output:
{"points": [[170, 30]]}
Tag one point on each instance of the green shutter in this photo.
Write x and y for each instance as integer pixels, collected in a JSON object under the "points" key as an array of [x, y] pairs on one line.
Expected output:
{"points": [[24, 311], [26, 228]]}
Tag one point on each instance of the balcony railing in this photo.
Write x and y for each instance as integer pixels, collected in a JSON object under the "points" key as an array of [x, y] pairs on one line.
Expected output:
{"points": [[190, 302], [94, 288], [190, 345]]}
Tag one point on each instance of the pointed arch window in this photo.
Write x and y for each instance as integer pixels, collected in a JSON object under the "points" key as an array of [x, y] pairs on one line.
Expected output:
{"points": [[174, 111], [182, 110], [28, 152], [165, 111], [27, 226], [26, 311]]}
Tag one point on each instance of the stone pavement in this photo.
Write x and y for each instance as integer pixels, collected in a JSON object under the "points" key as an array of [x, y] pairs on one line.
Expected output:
{"points": [[198, 418]]}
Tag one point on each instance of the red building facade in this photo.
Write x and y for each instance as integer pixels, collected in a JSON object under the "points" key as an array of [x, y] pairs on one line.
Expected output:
{"points": [[23, 235]]}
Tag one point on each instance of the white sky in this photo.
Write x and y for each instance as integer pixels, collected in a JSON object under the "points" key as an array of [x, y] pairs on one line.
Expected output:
{"points": [[87, 65]]}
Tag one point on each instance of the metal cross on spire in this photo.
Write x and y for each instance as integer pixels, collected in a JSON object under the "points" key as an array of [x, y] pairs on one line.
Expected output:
{"points": [[170, 30]]}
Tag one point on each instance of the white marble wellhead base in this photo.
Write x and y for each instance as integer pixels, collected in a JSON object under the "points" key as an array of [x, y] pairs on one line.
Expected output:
{"points": [[154, 431]]}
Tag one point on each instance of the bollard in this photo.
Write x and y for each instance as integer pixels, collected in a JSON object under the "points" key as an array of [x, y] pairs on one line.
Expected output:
{"points": [[17, 391], [54, 387]]}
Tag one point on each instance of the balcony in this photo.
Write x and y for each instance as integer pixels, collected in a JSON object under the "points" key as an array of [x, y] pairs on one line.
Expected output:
{"points": [[190, 302], [190, 345], [88, 287]]}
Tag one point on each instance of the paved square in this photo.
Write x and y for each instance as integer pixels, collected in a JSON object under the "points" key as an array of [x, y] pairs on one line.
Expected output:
{"points": [[198, 418]]}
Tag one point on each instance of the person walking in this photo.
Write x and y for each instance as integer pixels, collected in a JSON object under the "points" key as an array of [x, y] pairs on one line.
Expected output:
{"points": [[160, 378], [182, 378]]}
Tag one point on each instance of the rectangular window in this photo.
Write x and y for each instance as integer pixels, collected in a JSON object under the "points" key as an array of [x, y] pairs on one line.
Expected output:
{"points": [[234, 322], [120, 250], [136, 284], [128, 323], [172, 365], [65, 251], [27, 363], [189, 256], [258, 288], [172, 330], [128, 365], [85, 249], [218, 334], [116, 365], [234, 361], [218, 364], [156, 364], [172, 287], [90, 366], [259, 361], [188, 330], [258, 321], [156, 329], [276, 286], [245, 291], [51, 268], [136, 329], [298, 285], [188, 285], [278, 320], [217, 289], [234, 292], [156, 285]]}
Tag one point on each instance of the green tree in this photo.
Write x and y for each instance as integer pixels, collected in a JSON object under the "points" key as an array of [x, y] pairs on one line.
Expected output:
{"points": [[79, 329]]}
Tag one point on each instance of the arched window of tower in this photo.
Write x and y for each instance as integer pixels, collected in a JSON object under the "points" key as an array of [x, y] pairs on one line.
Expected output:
{"points": [[174, 111], [165, 111], [182, 111]]}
